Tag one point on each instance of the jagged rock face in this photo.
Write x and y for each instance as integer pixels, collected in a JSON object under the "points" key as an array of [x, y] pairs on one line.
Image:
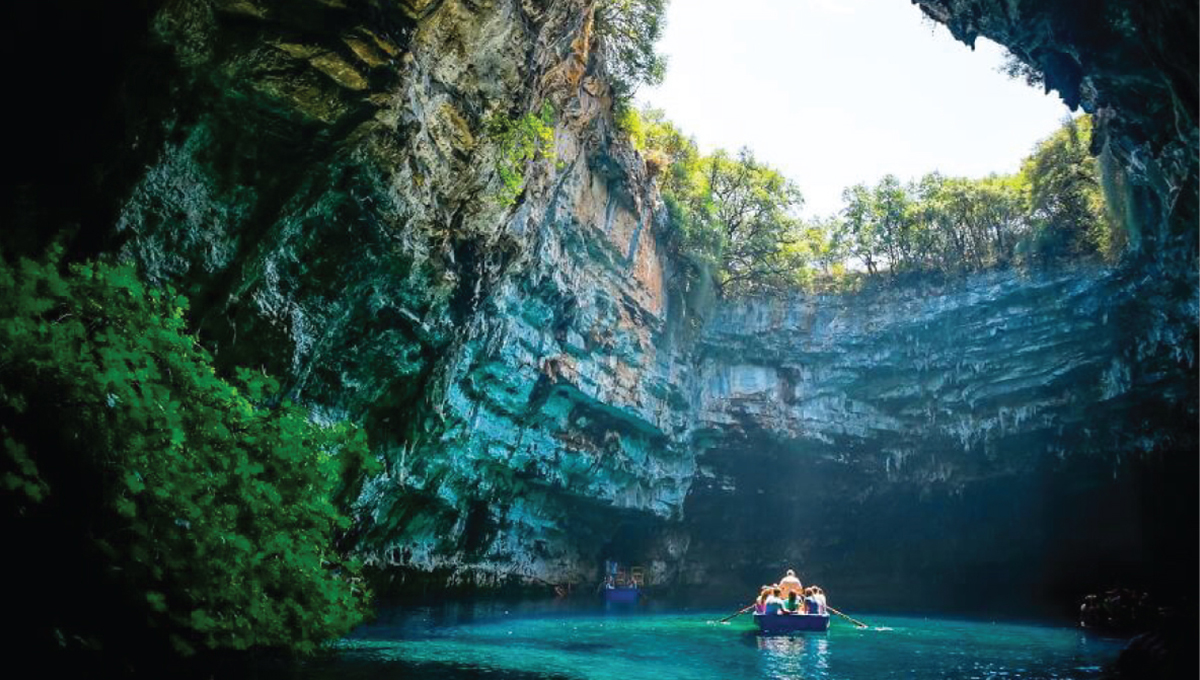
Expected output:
{"points": [[1134, 64], [320, 177], [902, 383], [327, 191], [970, 432]]}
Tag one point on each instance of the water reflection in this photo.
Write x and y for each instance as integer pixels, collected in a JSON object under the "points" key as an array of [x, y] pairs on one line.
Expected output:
{"points": [[793, 657], [513, 641]]}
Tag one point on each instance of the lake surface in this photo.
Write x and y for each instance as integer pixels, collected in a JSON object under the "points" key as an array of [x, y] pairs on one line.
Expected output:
{"points": [[502, 642]]}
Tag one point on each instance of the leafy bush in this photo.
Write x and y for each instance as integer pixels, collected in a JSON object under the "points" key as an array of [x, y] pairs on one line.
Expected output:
{"points": [[521, 140], [147, 499]]}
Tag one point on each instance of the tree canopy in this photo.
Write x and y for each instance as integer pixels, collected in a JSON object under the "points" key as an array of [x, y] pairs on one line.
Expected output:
{"points": [[1053, 209], [629, 31], [732, 216], [737, 220]]}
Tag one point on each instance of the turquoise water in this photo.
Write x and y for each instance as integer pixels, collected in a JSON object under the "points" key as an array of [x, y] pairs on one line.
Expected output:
{"points": [[507, 644]]}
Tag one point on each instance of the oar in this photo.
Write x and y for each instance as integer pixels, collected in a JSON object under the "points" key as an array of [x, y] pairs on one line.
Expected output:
{"points": [[851, 619], [739, 612]]}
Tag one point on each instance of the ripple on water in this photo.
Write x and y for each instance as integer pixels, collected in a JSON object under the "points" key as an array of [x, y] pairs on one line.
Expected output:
{"points": [[688, 646]]}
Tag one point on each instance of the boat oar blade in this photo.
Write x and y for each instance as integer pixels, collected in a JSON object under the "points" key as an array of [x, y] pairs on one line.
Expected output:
{"points": [[851, 619], [739, 612]]}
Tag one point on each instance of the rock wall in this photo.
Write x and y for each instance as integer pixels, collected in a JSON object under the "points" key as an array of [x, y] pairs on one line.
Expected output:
{"points": [[989, 444], [1133, 63], [321, 178], [324, 184], [901, 383]]}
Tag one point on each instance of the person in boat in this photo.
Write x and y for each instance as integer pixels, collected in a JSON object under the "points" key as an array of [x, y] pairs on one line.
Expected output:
{"points": [[793, 604], [819, 596], [774, 603], [791, 584], [761, 603], [810, 600]]}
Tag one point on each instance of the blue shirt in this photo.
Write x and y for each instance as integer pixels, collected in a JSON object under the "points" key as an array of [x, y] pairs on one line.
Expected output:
{"points": [[773, 605]]}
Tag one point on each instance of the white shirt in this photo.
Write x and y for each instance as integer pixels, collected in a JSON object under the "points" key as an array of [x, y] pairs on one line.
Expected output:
{"points": [[820, 598], [791, 584]]}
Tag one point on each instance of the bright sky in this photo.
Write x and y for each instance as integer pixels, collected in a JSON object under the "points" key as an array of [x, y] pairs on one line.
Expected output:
{"points": [[836, 92]]}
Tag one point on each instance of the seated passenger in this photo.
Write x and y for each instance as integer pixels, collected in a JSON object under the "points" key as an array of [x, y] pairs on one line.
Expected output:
{"points": [[793, 604], [791, 584], [810, 601], [774, 604], [819, 595], [761, 603]]}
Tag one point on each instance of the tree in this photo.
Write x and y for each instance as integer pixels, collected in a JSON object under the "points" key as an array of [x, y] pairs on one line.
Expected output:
{"points": [[732, 217], [753, 208], [674, 157], [629, 31], [1003, 215], [1053, 208], [891, 208], [1066, 201], [860, 230], [152, 503]]}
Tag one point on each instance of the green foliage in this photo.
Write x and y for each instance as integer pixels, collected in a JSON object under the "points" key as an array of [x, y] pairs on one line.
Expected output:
{"points": [[670, 155], [675, 160], [734, 219], [1067, 204], [1018, 69], [752, 216], [521, 140], [938, 223], [174, 507], [1053, 209], [628, 31]]}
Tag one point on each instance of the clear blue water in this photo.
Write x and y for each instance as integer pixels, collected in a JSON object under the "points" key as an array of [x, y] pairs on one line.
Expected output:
{"points": [[512, 644]]}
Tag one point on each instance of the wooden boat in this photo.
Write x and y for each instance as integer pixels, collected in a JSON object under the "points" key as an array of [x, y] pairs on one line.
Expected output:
{"points": [[621, 587], [783, 624], [622, 594]]}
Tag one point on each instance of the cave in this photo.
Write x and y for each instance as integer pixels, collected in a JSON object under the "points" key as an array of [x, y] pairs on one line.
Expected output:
{"points": [[330, 184]]}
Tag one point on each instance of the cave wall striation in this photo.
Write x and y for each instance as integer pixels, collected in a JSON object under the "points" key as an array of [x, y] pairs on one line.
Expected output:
{"points": [[320, 176]]}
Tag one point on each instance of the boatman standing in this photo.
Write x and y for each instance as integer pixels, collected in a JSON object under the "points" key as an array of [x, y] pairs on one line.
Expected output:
{"points": [[791, 584]]}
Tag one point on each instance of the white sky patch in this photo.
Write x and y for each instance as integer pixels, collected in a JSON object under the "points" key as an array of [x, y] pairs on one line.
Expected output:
{"points": [[836, 92], [831, 6]]}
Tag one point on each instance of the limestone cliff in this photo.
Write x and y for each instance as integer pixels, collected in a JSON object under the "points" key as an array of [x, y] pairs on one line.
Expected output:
{"points": [[1134, 65], [320, 176], [969, 433], [327, 189]]}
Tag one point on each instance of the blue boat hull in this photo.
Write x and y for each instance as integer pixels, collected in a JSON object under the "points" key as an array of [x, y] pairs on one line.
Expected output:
{"points": [[622, 595], [792, 623]]}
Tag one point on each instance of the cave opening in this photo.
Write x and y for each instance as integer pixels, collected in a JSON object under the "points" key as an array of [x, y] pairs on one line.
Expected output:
{"points": [[965, 458], [833, 295]]}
